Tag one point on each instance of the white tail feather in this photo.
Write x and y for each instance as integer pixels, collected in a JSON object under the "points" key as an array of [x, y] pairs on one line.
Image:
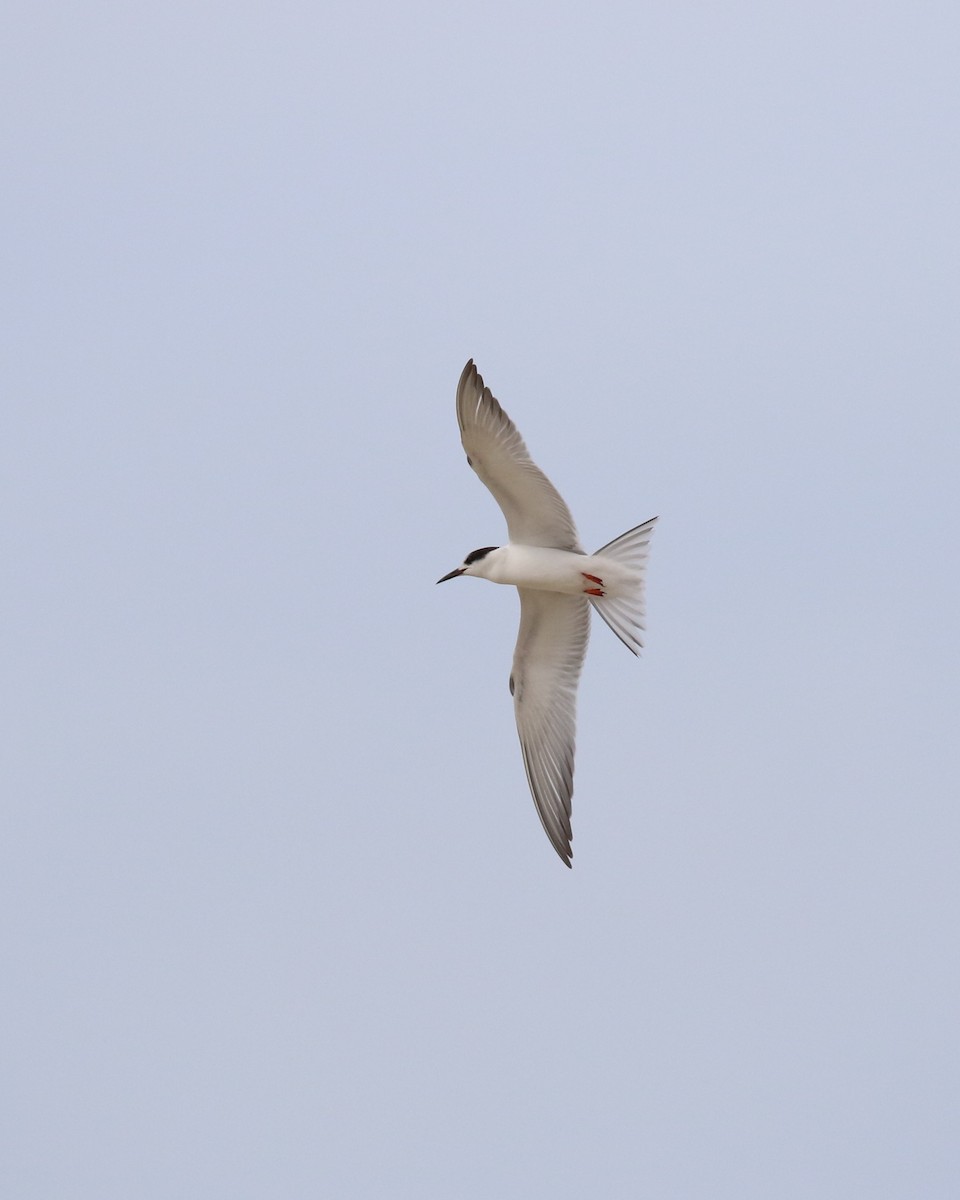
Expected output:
{"points": [[625, 614]]}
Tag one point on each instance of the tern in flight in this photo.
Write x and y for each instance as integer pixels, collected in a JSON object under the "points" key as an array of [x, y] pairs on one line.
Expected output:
{"points": [[557, 581]]}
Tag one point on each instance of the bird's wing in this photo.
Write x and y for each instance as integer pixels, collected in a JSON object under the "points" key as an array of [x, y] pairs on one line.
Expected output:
{"points": [[546, 669], [535, 511]]}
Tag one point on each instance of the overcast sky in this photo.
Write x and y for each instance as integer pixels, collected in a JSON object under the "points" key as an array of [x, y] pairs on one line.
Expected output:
{"points": [[278, 917]]}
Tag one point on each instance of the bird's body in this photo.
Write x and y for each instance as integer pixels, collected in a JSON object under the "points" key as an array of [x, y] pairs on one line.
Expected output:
{"points": [[557, 582], [547, 570]]}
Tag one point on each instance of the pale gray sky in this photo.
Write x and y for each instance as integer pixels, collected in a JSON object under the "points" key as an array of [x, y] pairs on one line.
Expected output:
{"points": [[278, 917]]}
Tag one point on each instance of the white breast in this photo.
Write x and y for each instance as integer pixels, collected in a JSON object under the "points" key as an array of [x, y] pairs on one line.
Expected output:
{"points": [[554, 570]]}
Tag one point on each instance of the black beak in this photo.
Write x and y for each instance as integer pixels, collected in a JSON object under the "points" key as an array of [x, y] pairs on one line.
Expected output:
{"points": [[452, 575]]}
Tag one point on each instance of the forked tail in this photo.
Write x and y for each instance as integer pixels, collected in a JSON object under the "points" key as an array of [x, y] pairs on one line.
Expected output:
{"points": [[625, 614]]}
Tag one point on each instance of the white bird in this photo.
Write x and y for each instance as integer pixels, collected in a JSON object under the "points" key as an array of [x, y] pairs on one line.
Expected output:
{"points": [[557, 581]]}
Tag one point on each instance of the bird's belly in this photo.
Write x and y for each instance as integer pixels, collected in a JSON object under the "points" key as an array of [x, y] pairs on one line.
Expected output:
{"points": [[544, 569]]}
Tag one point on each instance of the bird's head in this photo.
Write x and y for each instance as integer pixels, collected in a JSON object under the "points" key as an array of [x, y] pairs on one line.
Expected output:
{"points": [[476, 563]]}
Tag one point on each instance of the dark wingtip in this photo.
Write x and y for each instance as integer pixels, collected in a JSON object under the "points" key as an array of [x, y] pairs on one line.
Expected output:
{"points": [[565, 854], [465, 374]]}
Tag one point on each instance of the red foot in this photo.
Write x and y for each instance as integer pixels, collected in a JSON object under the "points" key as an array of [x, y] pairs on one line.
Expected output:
{"points": [[594, 592], [592, 578]]}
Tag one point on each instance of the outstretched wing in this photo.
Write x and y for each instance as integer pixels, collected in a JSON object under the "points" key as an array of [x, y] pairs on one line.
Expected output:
{"points": [[535, 511], [554, 629]]}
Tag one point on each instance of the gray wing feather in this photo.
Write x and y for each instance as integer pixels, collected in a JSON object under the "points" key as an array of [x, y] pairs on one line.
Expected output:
{"points": [[535, 511], [546, 670]]}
